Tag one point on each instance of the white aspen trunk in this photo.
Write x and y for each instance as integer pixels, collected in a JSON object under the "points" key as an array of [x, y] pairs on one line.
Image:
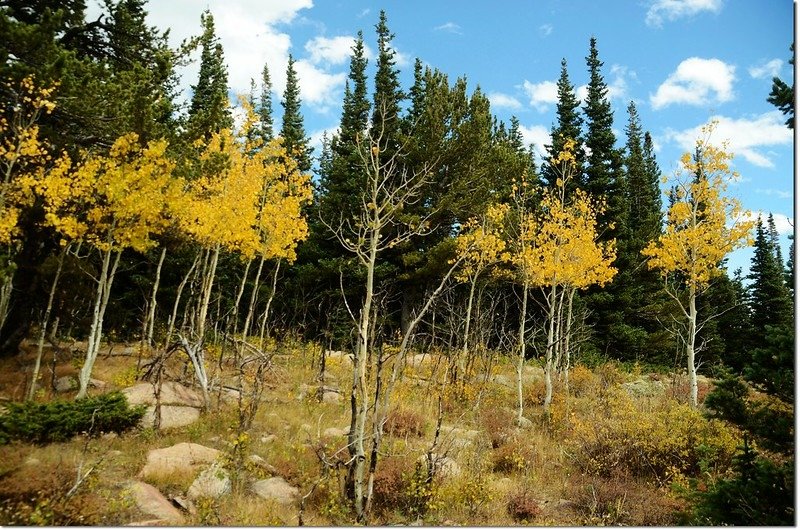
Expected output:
{"points": [[690, 341], [239, 294], [567, 336], [359, 391], [197, 356], [263, 333], [5, 297], [45, 321], [548, 367], [151, 315], [521, 356], [102, 294], [462, 359], [205, 300], [559, 336], [171, 325], [253, 298]]}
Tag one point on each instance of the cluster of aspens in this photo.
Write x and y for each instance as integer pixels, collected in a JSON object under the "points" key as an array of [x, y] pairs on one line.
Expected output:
{"points": [[235, 192]]}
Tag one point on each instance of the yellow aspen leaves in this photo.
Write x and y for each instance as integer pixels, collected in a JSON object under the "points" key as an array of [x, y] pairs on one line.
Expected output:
{"points": [[24, 159], [703, 225], [245, 196], [481, 242], [113, 201]]}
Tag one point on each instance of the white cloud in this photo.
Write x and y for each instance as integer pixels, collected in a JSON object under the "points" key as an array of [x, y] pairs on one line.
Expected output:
{"points": [[541, 95], [539, 136], [499, 100], [545, 30], [582, 92], [335, 50], [783, 223], [696, 81], [449, 27], [767, 69], [771, 192], [315, 138], [675, 9], [401, 59], [317, 87], [618, 87], [747, 137]]}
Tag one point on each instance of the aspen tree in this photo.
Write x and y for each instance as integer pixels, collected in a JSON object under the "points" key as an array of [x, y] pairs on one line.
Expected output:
{"points": [[703, 226], [113, 203]]}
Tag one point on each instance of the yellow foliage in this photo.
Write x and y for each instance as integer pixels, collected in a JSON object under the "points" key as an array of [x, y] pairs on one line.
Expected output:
{"points": [[245, 196], [115, 201], [703, 225], [24, 158], [481, 242], [666, 443]]}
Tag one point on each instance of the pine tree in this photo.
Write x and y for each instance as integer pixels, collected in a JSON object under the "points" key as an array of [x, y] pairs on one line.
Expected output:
{"points": [[605, 179], [782, 95], [568, 127], [209, 110], [264, 109], [292, 129], [388, 94], [770, 302]]}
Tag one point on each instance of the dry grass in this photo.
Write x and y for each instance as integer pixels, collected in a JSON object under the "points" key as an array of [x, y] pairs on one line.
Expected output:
{"points": [[508, 476]]}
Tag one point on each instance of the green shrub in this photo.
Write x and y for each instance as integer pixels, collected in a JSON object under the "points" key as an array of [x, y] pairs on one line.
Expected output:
{"points": [[60, 420], [761, 493]]}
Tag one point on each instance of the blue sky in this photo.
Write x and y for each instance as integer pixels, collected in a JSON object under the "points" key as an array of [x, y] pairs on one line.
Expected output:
{"points": [[683, 62]]}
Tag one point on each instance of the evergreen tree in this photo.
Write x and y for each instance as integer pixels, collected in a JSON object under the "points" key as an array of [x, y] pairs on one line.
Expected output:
{"points": [[770, 302], [605, 179], [264, 109], [782, 95], [388, 94], [568, 127], [292, 129], [771, 307], [209, 110]]}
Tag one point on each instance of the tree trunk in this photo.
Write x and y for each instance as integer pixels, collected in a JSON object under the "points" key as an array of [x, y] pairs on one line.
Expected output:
{"points": [[45, 321], [690, 340], [358, 421], [521, 357], [102, 295], [253, 298], [263, 332], [205, 295], [151, 316], [465, 349], [171, 325], [548, 367], [567, 339]]}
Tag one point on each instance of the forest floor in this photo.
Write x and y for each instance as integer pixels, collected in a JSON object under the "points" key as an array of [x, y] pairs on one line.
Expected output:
{"points": [[618, 448]]}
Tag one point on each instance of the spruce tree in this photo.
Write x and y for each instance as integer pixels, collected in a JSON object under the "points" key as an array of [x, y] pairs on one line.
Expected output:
{"points": [[605, 179], [568, 127], [292, 129], [388, 94], [264, 109], [770, 301], [209, 110]]}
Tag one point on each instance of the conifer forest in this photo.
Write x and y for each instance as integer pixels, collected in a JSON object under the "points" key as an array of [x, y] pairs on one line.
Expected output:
{"points": [[204, 320]]}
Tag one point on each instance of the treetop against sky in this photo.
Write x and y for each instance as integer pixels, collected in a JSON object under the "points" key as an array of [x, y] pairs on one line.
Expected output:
{"points": [[683, 62]]}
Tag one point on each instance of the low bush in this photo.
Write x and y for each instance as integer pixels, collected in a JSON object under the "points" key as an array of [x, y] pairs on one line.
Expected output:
{"points": [[404, 422], [522, 507], [60, 420], [665, 442]]}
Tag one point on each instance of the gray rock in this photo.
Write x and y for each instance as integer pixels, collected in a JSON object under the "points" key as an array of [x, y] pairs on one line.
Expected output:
{"points": [[172, 416], [149, 500], [444, 466], [331, 396], [335, 432], [276, 489], [66, 383], [172, 393], [182, 456], [214, 482]]}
